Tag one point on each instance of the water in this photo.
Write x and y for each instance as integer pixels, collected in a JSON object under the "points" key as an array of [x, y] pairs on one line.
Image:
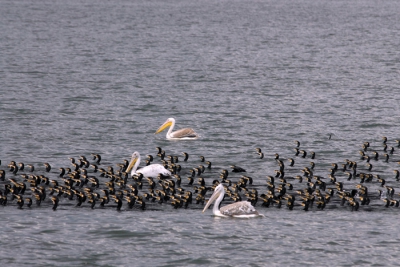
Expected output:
{"points": [[81, 77]]}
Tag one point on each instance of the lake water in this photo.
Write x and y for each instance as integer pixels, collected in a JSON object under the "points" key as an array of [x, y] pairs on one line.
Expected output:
{"points": [[82, 77]]}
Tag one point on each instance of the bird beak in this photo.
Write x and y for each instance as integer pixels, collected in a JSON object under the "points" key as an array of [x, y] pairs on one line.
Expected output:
{"points": [[212, 198], [133, 161], [163, 127]]}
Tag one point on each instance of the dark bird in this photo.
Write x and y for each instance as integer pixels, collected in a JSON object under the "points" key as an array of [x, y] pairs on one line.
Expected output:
{"points": [[29, 202], [369, 165], [161, 154], [4, 200], [397, 175], [384, 138], [92, 201], [31, 167], [62, 172], [97, 158], [398, 143], [386, 157], [13, 168], [248, 179], [20, 201], [312, 165], [130, 201], [21, 166], [299, 177], [208, 164], [118, 201], [55, 201], [47, 167], [75, 167], [224, 174], [237, 169]]}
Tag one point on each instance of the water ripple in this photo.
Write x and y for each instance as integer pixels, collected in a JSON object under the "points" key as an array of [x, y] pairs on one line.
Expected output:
{"points": [[81, 76]]}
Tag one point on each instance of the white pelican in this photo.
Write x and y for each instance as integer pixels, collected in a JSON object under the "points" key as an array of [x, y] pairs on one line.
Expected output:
{"points": [[152, 170], [182, 134], [242, 209]]}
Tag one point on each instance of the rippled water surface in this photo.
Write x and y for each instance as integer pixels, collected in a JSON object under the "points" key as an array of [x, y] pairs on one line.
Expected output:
{"points": [[82, 77]]}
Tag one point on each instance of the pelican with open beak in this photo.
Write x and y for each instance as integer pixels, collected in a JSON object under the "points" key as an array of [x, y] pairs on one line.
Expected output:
{"points": [[152, 170], [182, 134], [241, 209]]}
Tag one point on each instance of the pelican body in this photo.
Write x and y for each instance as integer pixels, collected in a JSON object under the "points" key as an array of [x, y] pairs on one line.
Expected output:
{"points": [[182, 134], [241, 209], [152, 170]]}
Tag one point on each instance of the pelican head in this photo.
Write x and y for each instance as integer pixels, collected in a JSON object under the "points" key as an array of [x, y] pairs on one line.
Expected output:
{"points": [[135, 157], [219, 193], [168, 123]]}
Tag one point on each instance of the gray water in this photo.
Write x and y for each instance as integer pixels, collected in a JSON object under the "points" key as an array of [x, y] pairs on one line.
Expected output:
{"points": [[82, 77]]}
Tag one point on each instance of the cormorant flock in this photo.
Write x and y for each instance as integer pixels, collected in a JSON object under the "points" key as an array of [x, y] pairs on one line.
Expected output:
{"points": [[367, 182]]}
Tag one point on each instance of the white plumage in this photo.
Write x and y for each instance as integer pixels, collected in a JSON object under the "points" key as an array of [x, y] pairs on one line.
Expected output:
{"points": [[242, 209], [152, 170], [182, 134]]}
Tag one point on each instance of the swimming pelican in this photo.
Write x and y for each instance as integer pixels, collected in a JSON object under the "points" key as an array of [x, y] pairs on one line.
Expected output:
{"points": [[182, 134], [242, 209], [152, 170]]}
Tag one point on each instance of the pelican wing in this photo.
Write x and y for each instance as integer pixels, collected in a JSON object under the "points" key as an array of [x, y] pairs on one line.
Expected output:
{"points": [[153, 170], [242, 208], [186, 132]]}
